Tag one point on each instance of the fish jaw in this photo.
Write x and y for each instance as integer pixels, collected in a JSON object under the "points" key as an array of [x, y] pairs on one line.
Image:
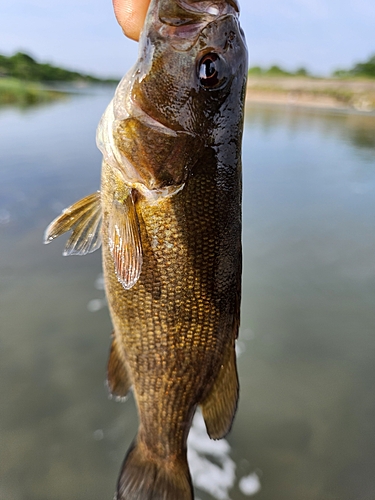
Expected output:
{"points": [[160, 115], [180, 21], [176, 134], [176, 36]]}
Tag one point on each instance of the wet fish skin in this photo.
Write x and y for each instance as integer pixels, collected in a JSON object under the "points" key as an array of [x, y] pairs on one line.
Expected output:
{"points": [[176, 327], [170, 204]]}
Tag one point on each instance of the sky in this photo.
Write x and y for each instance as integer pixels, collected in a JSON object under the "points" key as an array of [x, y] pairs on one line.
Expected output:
{"points": [[321, 35]]}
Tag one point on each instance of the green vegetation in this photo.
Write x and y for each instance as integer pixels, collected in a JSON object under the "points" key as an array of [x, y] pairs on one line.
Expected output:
{"points": [[14, 91], [23, 80], [24, 67], [276, 71], [364, 70], [360, 70], [344, 93]]}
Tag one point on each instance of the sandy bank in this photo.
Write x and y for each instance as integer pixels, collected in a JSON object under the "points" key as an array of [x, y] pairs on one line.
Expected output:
{"points": [[324, 93]]}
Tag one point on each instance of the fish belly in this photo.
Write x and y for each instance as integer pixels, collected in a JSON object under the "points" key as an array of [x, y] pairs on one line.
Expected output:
{"points": [[175, 326]]}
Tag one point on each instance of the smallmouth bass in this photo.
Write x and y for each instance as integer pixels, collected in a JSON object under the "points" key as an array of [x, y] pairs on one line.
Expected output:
{"points": [[168, 218]]}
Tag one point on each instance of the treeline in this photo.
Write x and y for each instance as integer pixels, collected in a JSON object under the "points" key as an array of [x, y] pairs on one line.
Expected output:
{"points": [[22, 66], [276, 71], [26, 93], [363, 69]]}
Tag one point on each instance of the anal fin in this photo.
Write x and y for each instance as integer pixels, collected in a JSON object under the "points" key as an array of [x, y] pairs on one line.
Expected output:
{"points": [[219, 407], [118, 379]]}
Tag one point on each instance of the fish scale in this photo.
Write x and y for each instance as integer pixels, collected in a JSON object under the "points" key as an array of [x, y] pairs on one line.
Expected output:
{"points": [[168, 217], [189, 265]]}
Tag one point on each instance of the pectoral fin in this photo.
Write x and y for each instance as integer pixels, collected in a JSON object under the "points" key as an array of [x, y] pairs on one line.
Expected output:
{"points": [[220, 405], [119, 381], [83, 218], [125, 241]]}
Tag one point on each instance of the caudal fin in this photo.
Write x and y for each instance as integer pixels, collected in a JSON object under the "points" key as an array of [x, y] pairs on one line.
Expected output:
{"points": [[144, 479]]}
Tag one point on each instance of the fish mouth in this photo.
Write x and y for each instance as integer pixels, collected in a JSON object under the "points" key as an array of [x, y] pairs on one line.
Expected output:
{"points": [[196, 12], [182, 21], [215, 8]]}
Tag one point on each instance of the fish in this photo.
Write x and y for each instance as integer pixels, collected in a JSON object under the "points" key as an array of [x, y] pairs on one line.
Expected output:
{"points": [[168, 219]]}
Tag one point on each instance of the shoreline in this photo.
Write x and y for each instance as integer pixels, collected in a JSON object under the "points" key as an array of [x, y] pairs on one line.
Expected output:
{"points": [[344, 95], [16, 92], [23, 93], [347, 95]]}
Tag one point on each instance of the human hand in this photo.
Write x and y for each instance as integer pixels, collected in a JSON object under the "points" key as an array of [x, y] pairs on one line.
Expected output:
{"points": [[131, 15]]}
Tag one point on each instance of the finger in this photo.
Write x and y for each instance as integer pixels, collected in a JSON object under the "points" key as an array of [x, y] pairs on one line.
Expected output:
{"points": [[130, 15]]}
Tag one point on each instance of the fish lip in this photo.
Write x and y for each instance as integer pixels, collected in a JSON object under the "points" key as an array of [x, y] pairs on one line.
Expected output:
{"points": [[182, 33], [206, 10], [213, 8], [184, 36]]}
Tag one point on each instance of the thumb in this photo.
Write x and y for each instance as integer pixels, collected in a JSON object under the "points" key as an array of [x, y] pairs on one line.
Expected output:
{"points": [[130, 15]]}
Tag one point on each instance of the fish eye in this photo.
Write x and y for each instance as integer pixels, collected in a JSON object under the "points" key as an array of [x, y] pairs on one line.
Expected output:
{"points": [[209, 70]]}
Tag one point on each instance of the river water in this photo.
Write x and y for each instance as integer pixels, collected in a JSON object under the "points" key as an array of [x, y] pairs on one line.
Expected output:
{"points": [[305, 428]]}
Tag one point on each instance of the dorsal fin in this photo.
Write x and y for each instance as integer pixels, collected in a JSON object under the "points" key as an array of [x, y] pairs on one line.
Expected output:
{"points": [[125, 240], [83, 218]]}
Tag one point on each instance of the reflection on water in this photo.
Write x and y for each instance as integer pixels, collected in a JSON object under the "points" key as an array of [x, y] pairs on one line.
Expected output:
{"points": [[305, 428]]}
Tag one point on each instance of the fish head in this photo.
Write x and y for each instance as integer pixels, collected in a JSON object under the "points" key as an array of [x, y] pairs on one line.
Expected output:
{"points": [[193, 56], [187, 85]]}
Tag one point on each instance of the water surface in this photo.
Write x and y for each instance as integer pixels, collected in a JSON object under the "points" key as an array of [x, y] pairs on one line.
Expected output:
{"points": [[305, 428]]}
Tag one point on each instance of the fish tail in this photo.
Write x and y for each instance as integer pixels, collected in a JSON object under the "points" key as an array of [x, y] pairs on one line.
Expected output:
{"points": [[146, 478]]}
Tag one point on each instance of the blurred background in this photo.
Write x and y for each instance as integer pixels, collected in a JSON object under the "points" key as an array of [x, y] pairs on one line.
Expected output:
{"points": [[305, 427], [83, 34]]}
